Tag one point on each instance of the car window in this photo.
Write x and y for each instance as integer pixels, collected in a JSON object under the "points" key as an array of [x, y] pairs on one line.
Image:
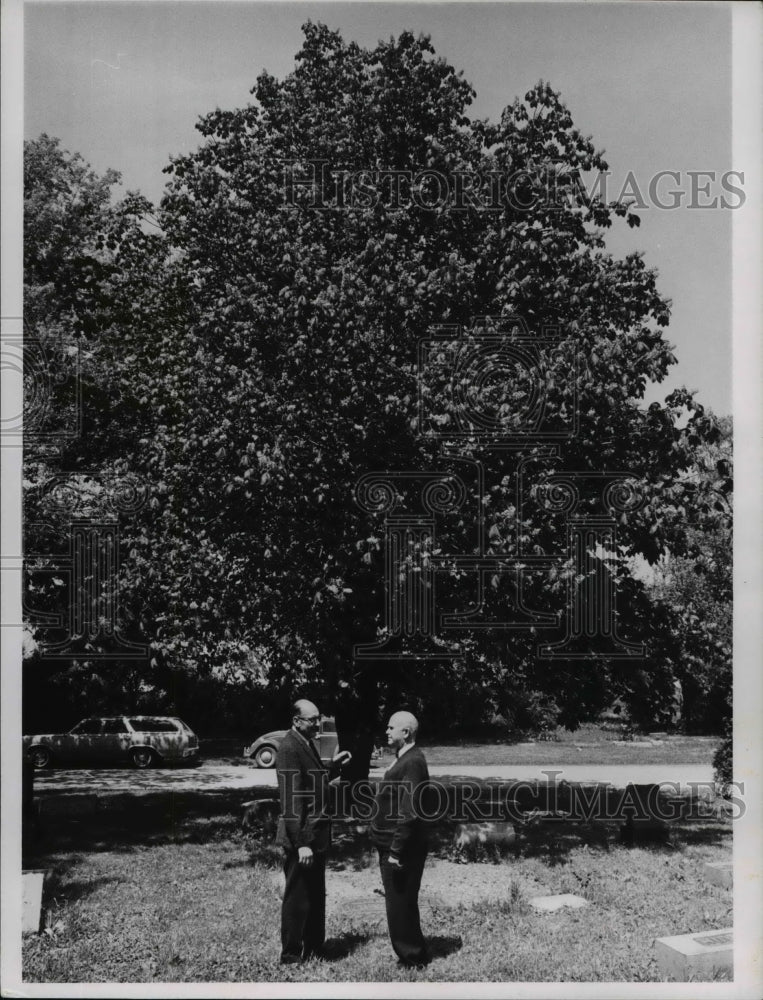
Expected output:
{"points": [[153, 725], [111, 726], [88, 727]]}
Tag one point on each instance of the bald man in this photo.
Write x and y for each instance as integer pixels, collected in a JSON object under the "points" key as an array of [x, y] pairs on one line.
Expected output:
{"points": [[400, 837], [304, 833]]}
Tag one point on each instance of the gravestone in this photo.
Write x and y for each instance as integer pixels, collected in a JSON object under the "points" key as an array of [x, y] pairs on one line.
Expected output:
{"points": [[261, 817], [636, 832], [469, 836], [720, 873], [369, 910], [31, 884], [549, 904], [699, 955]]}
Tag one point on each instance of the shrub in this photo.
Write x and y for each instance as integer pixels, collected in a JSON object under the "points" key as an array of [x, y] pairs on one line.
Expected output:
{"points": [[533, 715], [723, 759]]}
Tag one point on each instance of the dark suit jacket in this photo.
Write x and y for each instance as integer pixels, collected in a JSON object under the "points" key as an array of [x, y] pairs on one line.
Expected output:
{"points": [[303, 787], [397, 825]]}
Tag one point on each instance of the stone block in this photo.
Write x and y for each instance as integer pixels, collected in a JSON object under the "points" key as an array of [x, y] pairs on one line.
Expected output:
{"points": [[359, 910], [261, 817], [720, 873], [639, 832], [549, 904], [469, 836], [698, 956], [31, 912]]}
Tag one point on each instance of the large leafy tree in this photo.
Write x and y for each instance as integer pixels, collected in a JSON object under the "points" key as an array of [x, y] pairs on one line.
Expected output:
{"points": [[264, 357], [696, 589], [86, 253]]}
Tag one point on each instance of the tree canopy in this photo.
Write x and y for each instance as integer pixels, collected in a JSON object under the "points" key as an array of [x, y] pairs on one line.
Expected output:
{"points": [[257, 354]]}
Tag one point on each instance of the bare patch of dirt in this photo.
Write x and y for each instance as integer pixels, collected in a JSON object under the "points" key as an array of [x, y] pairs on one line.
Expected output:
{"points": [[359, 894]]}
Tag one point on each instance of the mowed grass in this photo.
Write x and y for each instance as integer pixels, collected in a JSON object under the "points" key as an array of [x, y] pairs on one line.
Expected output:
{"points": [[590, 744], [200, 903]]}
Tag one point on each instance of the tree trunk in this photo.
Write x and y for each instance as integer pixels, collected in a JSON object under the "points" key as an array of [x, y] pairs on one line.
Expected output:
{"points": [[357, 723]]}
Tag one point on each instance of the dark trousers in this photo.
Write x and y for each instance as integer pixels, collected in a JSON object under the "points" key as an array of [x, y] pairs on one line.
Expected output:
{"points": [[401, 895], [303, 912]]}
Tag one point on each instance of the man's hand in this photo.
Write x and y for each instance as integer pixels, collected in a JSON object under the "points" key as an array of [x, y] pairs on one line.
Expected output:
{"points": [[306, 856], [342, 757], [394, 862]]}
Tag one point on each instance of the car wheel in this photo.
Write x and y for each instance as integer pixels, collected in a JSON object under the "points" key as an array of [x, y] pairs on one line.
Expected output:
{"points": [[265, 756], [40, 757], [142, 757]]}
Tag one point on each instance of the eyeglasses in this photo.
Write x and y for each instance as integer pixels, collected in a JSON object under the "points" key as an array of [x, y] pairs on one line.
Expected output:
{"points": [[309, 718]]}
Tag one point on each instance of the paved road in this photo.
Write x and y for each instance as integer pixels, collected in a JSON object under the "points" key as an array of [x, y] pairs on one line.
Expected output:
{"points": [[222, 777]]}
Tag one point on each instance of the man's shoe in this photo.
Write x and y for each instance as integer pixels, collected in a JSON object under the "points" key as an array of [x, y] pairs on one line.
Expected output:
{"points": [[419, 963], [290, 959], [313, 953]]}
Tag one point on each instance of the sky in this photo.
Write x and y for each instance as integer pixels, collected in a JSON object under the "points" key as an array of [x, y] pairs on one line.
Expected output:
{"points": [[124, 83]]}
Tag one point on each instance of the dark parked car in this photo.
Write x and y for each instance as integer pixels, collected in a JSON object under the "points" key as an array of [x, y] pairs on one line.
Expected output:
{"points": [[140, 740], [263, 751]]}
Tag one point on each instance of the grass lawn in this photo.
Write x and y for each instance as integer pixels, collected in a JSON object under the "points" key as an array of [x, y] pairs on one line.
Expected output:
{"points": [[590, 744], [144, 897]]}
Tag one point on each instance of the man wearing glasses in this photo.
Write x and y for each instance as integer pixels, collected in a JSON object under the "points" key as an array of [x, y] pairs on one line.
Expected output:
{"points": [[304, 833]]}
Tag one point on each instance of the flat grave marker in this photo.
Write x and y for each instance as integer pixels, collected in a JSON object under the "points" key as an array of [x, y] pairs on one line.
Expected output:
{"points": [[719, 873], [550, 904], [700, 955]]}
